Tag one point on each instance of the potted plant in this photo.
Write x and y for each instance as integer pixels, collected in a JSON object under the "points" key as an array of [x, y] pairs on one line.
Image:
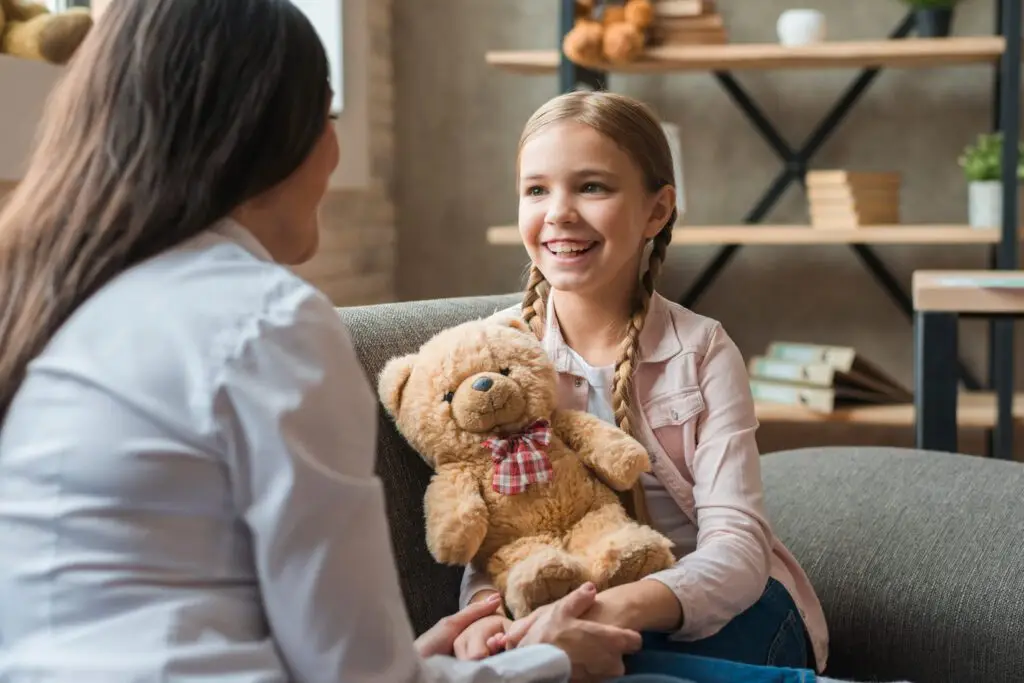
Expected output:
{"points": [[932, 18], [982, 166]]}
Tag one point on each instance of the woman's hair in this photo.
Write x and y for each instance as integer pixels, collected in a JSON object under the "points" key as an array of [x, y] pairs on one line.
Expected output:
{"points": [[170, 114], [631, 125]]}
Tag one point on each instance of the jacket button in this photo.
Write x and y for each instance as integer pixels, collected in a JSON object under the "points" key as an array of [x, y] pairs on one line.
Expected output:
{"points": [[675, 414], [579, 382]]}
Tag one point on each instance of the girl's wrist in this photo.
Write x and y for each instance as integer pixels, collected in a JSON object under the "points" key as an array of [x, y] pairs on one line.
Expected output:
{"points": [[645, 605]]}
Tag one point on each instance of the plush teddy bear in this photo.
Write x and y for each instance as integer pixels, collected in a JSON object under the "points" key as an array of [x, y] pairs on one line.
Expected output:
{"points": [[612, 31], [521, 489], [30, 30]]}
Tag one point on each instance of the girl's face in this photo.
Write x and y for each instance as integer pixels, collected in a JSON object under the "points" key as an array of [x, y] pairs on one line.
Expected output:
{"points": [[584, 212]]}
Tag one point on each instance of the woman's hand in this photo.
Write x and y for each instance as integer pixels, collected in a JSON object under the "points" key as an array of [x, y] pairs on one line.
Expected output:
{"points": [[478, 640], [440, 639], [595, 650]]}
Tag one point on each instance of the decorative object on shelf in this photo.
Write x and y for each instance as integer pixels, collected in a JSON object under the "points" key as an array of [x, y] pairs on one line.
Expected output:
{"points": [[982, 165], [686, 22], [821, 378], [608, 31], [851, 199], [30, 30], [932, 18], [801, 27]]}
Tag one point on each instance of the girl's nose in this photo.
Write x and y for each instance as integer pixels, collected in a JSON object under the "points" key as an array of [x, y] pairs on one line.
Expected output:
{"points": [[561, 210]]}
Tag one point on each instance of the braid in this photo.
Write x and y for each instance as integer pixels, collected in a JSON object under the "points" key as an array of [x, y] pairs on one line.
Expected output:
{"points": [[534, 301], [622, 383]]}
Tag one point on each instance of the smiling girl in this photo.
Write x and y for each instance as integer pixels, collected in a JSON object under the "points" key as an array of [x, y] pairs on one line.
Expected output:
{"points": [[596, 213]]}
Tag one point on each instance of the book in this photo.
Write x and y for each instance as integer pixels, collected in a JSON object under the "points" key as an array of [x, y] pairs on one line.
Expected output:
{"points": [[821, 377]]}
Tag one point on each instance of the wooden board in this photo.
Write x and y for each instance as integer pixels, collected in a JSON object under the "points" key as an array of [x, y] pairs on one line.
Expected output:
{"points": [[905, 53], [800, 234], [975, 410], [968, 291]]}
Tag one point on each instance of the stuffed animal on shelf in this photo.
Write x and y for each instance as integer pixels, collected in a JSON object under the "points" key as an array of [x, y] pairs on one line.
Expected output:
{"points": [[608, 31], [31, 31], [521, 489]]}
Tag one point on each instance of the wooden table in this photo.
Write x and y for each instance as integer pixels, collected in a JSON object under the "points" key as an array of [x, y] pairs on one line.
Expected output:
{"points": [[941, 298]]}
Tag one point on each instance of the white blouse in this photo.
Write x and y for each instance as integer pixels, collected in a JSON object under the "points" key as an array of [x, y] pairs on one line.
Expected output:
{"points": [[187, 492]]}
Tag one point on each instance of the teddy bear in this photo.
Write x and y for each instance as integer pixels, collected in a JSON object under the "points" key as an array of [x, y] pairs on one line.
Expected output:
{"points": [[528, 493], [608, 31], [30, 30]]}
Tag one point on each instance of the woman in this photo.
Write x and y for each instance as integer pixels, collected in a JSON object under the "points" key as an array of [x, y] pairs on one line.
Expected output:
{"points": [[186, 467]]}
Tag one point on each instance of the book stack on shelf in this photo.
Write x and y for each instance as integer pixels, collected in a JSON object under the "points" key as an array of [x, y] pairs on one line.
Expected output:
{"points": [[686, 22], [820, 378], [841, 199]]}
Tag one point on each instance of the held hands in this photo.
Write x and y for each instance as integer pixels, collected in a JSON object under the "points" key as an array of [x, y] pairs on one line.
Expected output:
{"points": [[441, 638], [595, 650]]}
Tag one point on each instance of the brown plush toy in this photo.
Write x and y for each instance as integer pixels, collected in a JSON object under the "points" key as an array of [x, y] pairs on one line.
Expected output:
{"points": [[30, 30], [521, 489], [608, 31]]}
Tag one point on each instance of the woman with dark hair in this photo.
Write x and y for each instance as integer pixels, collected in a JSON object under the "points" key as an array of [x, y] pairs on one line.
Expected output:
{"points": [[187, 443]]}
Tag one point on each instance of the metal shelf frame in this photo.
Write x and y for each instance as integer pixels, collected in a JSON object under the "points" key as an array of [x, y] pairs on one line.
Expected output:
{"points": [[795, 163]]}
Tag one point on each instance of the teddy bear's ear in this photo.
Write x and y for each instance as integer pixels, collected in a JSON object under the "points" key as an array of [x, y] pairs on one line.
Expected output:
{"points": [[392, 380]]}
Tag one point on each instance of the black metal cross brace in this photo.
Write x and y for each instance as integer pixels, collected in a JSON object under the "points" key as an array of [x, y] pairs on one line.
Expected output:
{"points": [[795, 169]]}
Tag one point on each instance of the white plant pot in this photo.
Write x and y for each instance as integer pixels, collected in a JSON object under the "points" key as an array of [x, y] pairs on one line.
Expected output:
{"points": [[985, 203]]}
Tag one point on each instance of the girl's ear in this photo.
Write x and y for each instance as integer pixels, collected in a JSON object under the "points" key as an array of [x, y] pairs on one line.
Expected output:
{"points": [[664, 202]]}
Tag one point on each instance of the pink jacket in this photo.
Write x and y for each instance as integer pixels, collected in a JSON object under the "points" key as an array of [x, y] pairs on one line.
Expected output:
{"points": [[698, 424]]}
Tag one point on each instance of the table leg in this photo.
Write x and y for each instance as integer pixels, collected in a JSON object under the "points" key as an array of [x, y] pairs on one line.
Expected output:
{"points": [[935, 380]]}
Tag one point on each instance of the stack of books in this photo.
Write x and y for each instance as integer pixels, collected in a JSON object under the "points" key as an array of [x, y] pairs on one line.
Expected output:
{"points": [[686, 22], [820, 378], [852, 199]]}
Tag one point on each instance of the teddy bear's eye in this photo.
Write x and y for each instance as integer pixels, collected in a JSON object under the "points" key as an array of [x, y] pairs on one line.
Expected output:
{"points": [[505, 371], [449, 397]]}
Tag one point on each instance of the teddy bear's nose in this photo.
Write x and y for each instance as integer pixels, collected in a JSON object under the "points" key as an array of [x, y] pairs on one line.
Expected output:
{"points": [[483, 384]]}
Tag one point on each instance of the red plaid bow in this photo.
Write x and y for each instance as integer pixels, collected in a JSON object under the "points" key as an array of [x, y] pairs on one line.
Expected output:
{"points": [[521, 459]]}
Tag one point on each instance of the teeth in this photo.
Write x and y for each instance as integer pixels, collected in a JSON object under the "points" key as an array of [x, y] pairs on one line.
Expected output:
{"points": [[564, 248]]}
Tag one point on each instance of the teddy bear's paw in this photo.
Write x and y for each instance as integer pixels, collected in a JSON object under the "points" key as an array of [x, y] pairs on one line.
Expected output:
{"points": [[542, 578], [631, 554], [456, 540], [626, 462]]}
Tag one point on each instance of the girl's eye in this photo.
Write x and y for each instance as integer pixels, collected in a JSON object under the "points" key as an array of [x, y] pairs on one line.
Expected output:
{"points": [[593, 187], [449, 397], [505, 371], [534, 191]]}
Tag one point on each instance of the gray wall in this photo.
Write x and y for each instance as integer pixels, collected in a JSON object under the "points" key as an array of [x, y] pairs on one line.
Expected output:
{"points": [[457, 123]]}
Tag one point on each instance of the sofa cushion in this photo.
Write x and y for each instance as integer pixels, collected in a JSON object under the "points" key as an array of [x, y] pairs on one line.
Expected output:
{"points": [[917, 557], [380, 333]]}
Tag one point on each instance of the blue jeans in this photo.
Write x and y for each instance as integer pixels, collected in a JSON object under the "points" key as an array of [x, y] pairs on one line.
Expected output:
{"points": [[767, 643]]}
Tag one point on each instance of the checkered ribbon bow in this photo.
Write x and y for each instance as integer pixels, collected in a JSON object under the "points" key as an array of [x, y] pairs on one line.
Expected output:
{"points": [[521, 459]]}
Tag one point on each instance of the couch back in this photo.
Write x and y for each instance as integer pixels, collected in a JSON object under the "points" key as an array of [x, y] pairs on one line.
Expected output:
{"points": [[380, 333]]}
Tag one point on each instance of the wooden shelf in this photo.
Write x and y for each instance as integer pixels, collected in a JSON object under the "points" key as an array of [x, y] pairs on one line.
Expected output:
{"points": [[902, 53], [975, 410], [800, 234]]}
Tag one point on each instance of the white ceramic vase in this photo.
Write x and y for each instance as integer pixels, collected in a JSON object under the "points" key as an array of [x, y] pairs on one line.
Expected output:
{"points": [[800, 27]]}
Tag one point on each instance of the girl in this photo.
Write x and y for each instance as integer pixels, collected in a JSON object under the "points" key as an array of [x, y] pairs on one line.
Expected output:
{"points": [[185, 424], [596, 203]]}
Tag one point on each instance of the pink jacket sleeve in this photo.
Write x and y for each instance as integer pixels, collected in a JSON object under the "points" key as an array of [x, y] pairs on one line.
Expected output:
{"points": [[728, 571]]}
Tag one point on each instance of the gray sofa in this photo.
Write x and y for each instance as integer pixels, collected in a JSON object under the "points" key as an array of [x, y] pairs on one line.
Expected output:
{"points": [[918, 557]]}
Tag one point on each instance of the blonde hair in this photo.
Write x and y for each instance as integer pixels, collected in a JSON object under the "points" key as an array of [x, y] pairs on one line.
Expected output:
{"points": [[635, 128]]}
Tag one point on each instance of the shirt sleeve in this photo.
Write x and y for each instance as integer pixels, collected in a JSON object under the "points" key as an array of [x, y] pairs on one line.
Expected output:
{"points": [[300, 419], [473, 581], [728, 571]]}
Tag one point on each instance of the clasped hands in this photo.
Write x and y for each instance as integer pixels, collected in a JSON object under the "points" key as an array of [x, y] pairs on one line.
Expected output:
{"points": [[595, 649]]}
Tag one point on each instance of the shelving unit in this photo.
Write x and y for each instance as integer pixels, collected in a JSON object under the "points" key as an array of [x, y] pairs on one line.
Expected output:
{"points": [[1000, 51]]}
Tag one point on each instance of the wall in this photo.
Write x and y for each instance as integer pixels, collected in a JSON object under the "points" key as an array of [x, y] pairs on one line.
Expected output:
{"points": [[458, 121], [356, 261]]}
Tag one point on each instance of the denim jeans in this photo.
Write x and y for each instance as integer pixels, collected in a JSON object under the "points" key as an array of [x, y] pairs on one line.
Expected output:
{"points": [[767, 643]]}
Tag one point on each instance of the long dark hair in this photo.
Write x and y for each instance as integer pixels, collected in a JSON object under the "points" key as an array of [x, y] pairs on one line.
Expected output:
{"points": [[171, 114]]}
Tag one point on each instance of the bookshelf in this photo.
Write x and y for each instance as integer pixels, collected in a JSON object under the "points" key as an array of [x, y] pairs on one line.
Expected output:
{"points": [[1000, 52]]}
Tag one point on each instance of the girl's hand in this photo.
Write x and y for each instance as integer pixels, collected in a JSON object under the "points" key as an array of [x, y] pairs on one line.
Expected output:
{"points": [[479, 640]]}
